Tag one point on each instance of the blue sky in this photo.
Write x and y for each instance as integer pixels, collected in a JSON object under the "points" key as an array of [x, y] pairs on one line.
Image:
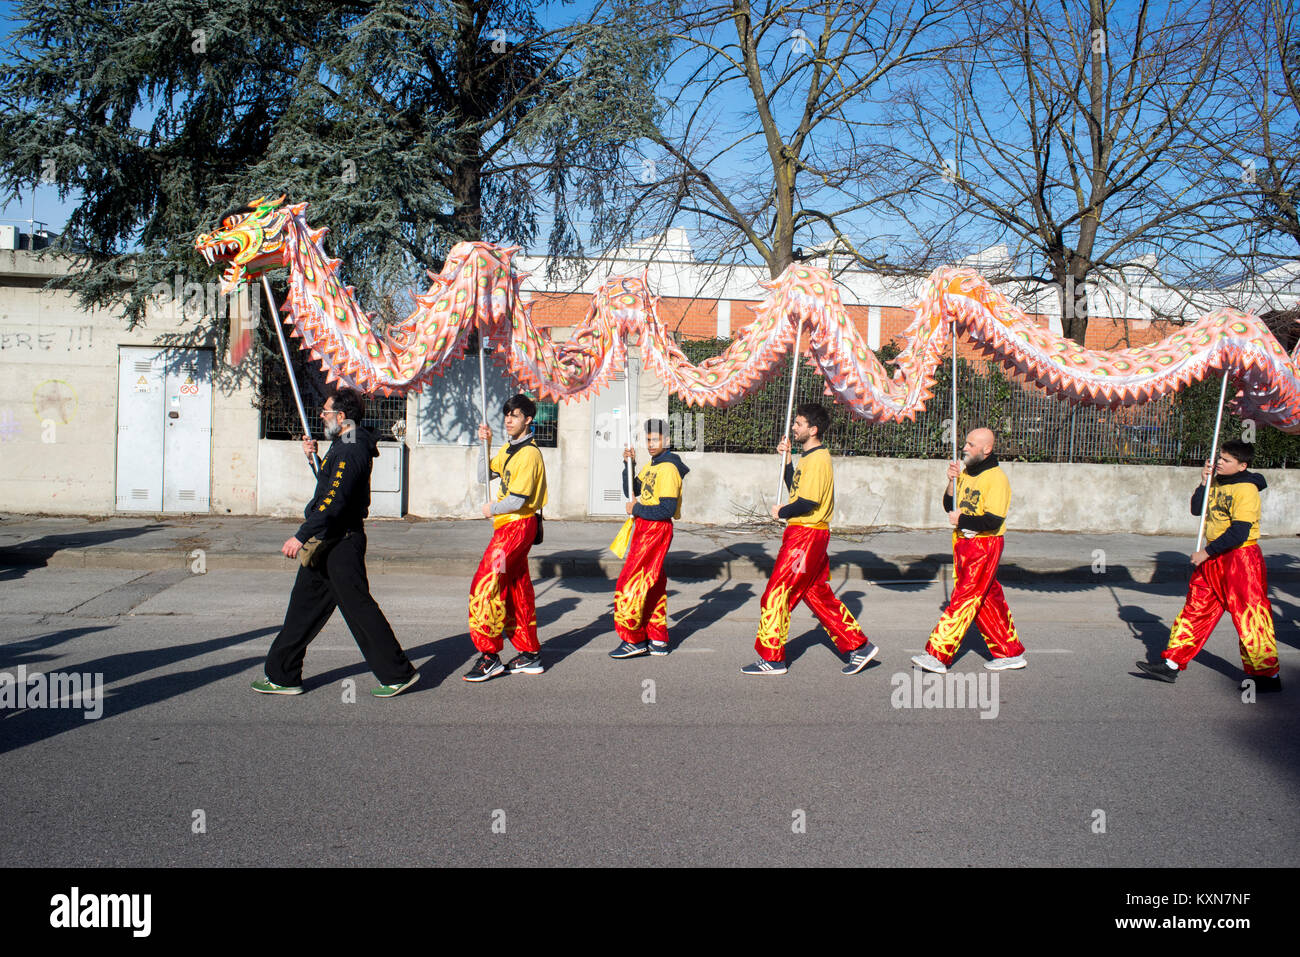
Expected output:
{"points": [[49, 208]]}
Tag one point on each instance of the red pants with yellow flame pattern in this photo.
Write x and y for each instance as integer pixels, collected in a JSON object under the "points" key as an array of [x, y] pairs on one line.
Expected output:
{"points": [[1236, 581], [977, 597], [802, 573], [502, 590], [641, 597]]}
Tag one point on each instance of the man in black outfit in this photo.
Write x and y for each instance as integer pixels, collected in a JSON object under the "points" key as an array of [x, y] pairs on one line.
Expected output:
{"points": [[337, 575]]}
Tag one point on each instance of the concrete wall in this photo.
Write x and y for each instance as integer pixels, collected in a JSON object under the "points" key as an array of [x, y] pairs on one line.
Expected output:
{"points": [[444, 478], [873, 492], [285, 482], [59, 364]]}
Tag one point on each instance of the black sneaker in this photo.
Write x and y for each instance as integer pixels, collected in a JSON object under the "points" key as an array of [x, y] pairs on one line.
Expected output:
{"points": [[658, 648], [627, 649], [859, 657], [487, 666], [1158, 670], [1264, 684], [526, 663]]}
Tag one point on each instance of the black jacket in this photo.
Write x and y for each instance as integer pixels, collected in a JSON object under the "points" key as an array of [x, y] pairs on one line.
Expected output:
{"points": [[342, 498]]}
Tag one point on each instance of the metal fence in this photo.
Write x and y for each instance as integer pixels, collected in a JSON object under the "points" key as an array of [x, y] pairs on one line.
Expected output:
{"points": [[385, 417], [281, 422]]}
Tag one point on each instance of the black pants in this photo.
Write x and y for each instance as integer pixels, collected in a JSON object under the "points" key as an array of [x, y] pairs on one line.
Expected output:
{"points": [[344, 585]]}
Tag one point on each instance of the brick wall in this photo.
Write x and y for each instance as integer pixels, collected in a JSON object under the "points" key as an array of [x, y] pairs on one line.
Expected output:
{"points": [[698, 319]]}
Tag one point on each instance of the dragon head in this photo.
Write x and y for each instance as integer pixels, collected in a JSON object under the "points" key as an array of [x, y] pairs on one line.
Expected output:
{"points": [[251, 239]]}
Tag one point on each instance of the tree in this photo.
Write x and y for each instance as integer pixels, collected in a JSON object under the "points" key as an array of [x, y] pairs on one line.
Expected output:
{"points": [[780, 138], [1072, 137], [1261, 147], [1279, 186], [408, 126]]}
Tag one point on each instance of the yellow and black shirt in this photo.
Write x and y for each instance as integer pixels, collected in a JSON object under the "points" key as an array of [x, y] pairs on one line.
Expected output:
{"points": [[523, 475], [658, 488], [983, 497], [1233, 519], [812, 490]]}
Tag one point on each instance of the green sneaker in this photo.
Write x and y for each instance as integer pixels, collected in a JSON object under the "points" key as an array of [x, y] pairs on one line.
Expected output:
{"points": [[388, 691], [266, 686]]}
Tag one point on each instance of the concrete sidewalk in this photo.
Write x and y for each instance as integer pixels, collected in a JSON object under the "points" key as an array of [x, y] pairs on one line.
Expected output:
{"points": [[581, 549]]}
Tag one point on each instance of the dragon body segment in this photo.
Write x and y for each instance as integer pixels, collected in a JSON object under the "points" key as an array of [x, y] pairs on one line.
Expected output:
{"points": [[479, 288]]}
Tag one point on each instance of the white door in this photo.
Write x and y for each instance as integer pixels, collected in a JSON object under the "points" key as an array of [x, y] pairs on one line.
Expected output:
{"points": [[164, 429], [187, 431], [610, 422], [140, 376]]}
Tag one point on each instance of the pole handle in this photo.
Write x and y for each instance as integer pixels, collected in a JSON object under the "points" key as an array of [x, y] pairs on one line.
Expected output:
{"points": [[482, 397], [789, 406], [1214, 462], [627, 422], [288, 366]]}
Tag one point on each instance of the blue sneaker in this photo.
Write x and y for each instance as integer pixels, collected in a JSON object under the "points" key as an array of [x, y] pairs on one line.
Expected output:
{"points": [[627, 649], [859, 658], [762, 667]]}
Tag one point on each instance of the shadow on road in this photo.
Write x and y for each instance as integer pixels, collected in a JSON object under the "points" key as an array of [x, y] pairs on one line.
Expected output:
{"points": [[31, 725], [16, 560], [14, 653]]}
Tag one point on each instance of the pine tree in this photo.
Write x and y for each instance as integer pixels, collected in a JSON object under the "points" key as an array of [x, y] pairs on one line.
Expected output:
{"points": [[407, 125]]}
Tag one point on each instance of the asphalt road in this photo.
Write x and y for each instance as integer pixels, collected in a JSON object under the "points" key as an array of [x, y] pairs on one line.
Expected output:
{"points": [[1079, 762]]}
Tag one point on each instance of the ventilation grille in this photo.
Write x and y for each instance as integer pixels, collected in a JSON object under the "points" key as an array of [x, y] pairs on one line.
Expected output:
{"points": [[139, 494], [186, 495], [613, 495], [145, 367]]}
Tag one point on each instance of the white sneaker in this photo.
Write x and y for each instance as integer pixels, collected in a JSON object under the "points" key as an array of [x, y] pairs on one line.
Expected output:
{"points": [[1006, 664], [928, 662]]}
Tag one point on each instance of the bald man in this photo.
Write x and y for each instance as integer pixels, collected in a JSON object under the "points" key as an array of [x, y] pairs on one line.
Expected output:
{"points": [[981, 495]]}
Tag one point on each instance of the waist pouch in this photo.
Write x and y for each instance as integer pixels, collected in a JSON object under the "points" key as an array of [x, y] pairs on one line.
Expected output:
{"points": [[313, 552]]}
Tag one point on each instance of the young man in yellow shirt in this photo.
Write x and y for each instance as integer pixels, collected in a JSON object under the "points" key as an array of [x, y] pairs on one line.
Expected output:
{"points": [[1229, 573], [502, 588], [802, 571], [976, 501], [640, 598]]}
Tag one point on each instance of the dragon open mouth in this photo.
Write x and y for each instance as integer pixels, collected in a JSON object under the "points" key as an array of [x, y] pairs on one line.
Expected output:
{"points": [[219, 251], [250, 240]]}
